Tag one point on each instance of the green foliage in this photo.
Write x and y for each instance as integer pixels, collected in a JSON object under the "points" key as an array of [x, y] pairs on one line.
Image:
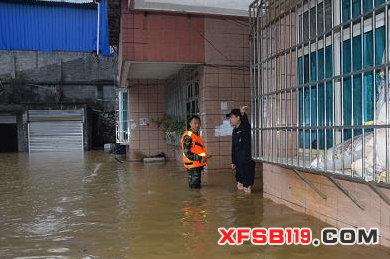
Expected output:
{"points": [[169, 124]]}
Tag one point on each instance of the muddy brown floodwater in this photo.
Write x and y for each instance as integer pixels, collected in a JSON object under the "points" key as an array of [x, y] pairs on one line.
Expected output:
{"points": [[91, 206]]}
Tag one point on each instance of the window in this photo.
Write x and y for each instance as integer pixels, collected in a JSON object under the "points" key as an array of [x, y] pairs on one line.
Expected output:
{"points": [[328, 15], [122, 127], [324, 112], [305, 26], [192, 98], [308, 96], [346, 10], [312, 22], [356, 7], [181, 95], [100, 93], [318, 18], [354, 97], [183, 92]]}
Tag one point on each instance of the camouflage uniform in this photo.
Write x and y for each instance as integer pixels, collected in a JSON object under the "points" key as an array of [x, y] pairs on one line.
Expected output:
{"points": [[194, 174]]}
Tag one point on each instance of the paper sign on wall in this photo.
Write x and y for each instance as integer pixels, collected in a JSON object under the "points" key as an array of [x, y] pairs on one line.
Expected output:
{"points": [[143, 121], [224, 106], [224, 129]]}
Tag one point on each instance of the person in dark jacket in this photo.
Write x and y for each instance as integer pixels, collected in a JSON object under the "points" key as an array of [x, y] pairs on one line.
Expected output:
{"points": [[241, 149]]}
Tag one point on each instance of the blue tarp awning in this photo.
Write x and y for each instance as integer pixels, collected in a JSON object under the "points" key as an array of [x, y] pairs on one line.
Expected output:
{"points": [[43, 26]]}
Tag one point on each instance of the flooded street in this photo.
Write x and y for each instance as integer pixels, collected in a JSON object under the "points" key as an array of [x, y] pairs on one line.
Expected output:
{"points": [[54, 206]]}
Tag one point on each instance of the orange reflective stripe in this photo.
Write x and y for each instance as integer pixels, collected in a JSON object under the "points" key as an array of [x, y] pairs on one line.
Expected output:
{"points": [[197, 148]]}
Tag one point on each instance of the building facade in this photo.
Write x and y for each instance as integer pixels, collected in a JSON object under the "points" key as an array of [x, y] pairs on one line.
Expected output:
{"points": [[57, 76], [173, 65], [61, 81], [319, 87]]}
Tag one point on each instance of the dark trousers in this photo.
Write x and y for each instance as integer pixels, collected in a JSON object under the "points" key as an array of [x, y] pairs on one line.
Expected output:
{"points": [[245, 173], [194, 177]]}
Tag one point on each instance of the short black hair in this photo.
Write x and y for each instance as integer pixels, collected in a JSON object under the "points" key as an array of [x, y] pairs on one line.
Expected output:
{"points": [[193, 117], [235, 112]]}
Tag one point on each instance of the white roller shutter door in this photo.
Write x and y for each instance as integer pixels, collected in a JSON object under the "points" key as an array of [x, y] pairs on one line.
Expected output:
{"points": [[55, 131]]}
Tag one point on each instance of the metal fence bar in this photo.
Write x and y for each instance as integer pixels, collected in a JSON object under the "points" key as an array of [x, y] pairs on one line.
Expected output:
{"points": [[308, 107]]}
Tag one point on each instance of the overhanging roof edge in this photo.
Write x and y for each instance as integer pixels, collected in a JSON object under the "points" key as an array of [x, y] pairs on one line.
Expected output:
{"points": [[143, 5]]}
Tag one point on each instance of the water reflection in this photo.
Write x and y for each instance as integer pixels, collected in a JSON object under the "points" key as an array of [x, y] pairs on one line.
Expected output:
{"points": [[194, 220], [91, 206]]}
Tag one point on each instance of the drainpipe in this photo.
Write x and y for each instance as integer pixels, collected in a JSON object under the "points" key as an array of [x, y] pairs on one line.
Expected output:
{"points": [[98, 27]]}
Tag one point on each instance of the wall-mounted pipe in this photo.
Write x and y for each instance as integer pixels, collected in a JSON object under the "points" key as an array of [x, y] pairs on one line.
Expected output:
{"points": [[98, 28]]}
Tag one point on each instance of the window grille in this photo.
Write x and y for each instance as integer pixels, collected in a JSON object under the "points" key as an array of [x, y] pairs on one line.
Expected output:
{"points": [[182, 98], [192, 100], [320, 86], [182, 93], [122, 124]]}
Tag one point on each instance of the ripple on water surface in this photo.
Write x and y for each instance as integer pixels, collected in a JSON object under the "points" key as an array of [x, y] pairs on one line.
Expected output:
{"points": [[90, 206]]}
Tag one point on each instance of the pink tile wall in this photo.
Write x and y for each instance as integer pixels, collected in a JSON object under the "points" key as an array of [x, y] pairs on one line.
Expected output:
{"points": [[146, 101], [161, 36], [284, 186], [225, 78], [229, 85], [226, 41]]}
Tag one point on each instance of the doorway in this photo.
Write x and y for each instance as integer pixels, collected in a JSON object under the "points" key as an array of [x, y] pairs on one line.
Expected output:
{"points": [[8, 137]]}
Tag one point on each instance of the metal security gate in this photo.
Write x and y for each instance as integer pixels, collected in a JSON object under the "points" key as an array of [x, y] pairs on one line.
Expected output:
{"points": [[55, 131]]}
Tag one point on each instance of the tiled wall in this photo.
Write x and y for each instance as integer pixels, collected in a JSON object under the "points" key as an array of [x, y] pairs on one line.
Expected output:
{"points": [[161, 36], [221, 44], [221, 90], [224, 82], [284, 186], [226, 41], [146, 101]]}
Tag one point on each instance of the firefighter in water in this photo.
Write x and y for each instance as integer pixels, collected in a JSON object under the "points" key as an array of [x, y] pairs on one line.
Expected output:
{"points": [[194, 153]]}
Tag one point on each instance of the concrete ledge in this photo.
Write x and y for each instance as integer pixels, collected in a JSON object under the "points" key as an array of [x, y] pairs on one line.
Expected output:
{"points": [[154, 160]]}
